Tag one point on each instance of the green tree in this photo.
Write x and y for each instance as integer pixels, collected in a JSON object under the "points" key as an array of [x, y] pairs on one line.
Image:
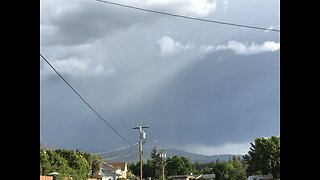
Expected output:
{"points": [[45, 165], [95, 168], [148, 169], [134, 168], [58, 163], [238, 171], [234, 169], [222, 170], [156, 161], [94, 164], [179, 166], [264, 157], [130, 175], [76, 162]]}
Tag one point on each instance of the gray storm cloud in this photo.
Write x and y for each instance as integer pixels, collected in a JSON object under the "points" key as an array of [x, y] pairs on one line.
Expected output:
{"points": [[138, 68]]}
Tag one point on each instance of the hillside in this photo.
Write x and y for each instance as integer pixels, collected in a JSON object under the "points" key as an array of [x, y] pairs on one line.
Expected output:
{"points": [[133, 156]]}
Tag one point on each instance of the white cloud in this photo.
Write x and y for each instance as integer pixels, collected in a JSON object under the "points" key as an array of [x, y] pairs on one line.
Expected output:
{"points": [[227, 148], [243, 49], [169, 46], [207, 49], [75, 68], [199, 8]]}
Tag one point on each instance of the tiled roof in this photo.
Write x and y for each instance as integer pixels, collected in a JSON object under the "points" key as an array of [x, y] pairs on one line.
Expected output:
{"points": [[121, 165], [106, 165]]}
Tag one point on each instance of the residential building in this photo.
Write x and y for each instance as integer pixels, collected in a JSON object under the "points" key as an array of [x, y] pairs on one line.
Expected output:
{"points": [[261, 177], [182, 177], [123, 166], [113, 171], [193, 177]]}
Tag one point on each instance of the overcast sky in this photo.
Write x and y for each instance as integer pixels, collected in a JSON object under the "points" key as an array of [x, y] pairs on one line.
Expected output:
{"points": [[201, 87]]}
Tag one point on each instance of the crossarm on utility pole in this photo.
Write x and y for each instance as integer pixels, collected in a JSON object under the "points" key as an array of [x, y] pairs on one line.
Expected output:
{"points": [[141, 132]]}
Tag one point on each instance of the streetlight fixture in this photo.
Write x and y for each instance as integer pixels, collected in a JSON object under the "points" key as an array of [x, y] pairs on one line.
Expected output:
{"points": [[163, 165], [163, 156]]}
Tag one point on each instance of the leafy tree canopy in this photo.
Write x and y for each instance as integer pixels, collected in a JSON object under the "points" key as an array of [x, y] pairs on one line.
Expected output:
{"points": [[264, 157]]}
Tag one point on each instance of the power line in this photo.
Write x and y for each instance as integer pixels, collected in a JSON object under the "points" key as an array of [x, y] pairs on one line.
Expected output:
{"points": [[110, 115], [115, 150], [188, 17], [83, 99], [118, 156]]}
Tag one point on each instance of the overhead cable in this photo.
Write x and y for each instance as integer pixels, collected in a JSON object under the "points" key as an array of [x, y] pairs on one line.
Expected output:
{"points": [[188, 17], [84, 100], [115, 150]]}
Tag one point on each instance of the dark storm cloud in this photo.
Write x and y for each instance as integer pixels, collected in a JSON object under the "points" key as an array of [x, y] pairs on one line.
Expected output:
{"points": [[187, 93], [217, 101], [87, 22]]}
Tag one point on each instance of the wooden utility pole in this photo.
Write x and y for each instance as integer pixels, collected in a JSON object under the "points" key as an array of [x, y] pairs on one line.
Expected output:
{"points": [[142, 138]]}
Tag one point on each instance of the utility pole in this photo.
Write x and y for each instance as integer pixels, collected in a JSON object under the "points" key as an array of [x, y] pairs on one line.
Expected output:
{"points": [[142, 137]]}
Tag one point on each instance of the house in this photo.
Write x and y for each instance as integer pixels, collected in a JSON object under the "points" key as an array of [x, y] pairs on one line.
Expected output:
{"points": [[207, 176], [113, 171], [182, 177], [261, 177], [123, 166], [108, 172], [193, 177]]}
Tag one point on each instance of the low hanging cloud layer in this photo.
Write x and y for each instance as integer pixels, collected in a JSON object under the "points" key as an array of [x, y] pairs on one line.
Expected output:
{"points": [[242, 48], [169, 46], [227, 148]]}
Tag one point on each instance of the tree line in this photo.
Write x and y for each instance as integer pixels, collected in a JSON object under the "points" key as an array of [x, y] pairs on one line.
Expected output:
{"points": [[263, 158], [69, 163]]}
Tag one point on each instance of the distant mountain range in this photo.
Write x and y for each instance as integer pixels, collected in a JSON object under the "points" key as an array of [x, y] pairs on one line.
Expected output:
{"points": [[132, 156]]}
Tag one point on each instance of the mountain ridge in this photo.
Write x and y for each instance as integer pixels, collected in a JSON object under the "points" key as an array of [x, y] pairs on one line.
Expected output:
{"points": [[133, 156]]}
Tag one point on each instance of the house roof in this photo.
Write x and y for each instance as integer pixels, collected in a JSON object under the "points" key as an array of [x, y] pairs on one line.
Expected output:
{"points": [[121, 165], [181, 176], [269, 176], [205, 176], [108, 166]]}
